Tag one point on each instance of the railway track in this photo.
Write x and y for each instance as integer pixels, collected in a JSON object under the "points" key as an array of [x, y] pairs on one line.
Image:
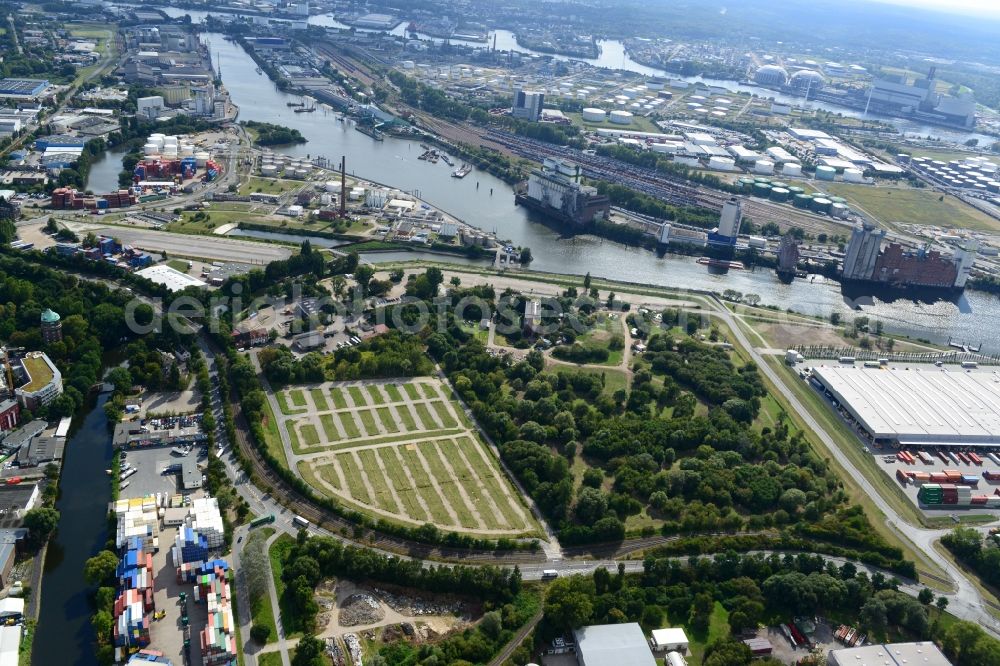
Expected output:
{"points": [[673, 189]]}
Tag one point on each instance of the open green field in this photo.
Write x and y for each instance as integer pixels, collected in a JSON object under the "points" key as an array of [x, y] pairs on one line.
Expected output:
{"points": [[269, 185], [402, 451], [639, 124], [894, 206]]}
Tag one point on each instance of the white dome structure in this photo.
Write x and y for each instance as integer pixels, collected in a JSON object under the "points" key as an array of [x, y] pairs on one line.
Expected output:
{"points": [[771, 75], [807, 79]]}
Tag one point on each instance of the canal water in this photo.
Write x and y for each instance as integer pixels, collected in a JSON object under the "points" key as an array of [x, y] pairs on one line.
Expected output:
{"points": [[64, 635], [103, 176]]}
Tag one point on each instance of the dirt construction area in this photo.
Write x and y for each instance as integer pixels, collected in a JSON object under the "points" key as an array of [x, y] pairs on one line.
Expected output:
{"points": [[401, 450]]}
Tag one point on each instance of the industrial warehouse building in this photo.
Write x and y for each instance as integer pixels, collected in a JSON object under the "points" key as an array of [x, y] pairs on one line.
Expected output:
{"points": [[919, 407], [613, 645], [894, 654]]}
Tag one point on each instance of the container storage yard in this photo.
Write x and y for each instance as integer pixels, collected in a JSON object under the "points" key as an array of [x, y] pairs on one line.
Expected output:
{"points": [[932, 429]]}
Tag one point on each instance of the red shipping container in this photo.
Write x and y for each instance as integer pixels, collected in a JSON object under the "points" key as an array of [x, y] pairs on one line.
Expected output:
{"points": [[979, 499]]}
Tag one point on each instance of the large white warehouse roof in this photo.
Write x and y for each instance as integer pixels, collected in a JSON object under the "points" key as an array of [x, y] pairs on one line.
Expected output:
{"points": [[920, 406]]}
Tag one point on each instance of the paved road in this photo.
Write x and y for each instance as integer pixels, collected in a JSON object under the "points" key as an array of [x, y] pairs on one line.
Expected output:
{"points": [[966, 602], [207, 247]]}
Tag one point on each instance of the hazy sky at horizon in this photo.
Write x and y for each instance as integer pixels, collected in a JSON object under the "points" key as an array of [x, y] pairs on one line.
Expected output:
{"points": [[981, 7]]}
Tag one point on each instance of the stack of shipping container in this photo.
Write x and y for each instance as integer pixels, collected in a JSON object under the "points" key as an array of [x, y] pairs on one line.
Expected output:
{"points": [[135, 599], [218, 638], [66, 198]]}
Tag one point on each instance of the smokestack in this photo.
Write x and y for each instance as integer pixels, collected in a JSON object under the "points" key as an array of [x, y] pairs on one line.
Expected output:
{"points": [[343, 186]]}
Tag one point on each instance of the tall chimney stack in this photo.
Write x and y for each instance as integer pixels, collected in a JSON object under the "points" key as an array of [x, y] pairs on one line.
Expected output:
{"points": [[343, 186]]}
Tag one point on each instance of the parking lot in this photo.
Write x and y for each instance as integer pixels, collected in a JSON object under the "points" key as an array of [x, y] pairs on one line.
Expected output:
{"points": [[170, 402], [149, 478]]}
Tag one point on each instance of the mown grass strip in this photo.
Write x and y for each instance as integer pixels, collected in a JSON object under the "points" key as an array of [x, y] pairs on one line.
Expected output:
{"points": [[357, 396], [447, 420], [339, 402], [448, 486], [371, 469], [376, 394], [400, 481], [319, 400], [425, 416], [492, 479], [388, 422], [368, 421], [298, 397], [329, 427], [470, 481], [393, 392], [406, 416], [352, 474], [434, 500], [349, 425], [411, 391]]}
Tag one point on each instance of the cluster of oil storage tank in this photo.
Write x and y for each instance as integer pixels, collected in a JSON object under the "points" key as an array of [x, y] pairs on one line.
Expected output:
{"points": [[273, 165], [781, 192], [974, 173]]}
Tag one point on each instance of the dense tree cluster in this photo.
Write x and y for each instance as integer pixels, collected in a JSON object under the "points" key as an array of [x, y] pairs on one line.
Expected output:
{"points": [[92, 319], [391, 355], [311, 560], [754, 589], [269, 134], [981, 556]]}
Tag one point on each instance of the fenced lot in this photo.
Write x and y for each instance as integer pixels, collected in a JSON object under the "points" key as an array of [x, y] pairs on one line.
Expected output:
{"points": [[400, 450]]}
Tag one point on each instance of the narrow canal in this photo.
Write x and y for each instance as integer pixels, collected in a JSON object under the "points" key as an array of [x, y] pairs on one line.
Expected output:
{"points": [[64, 635]]}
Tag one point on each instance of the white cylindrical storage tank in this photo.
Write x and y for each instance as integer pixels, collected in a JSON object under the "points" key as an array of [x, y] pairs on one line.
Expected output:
{"points": [[268, 170], [853, 176], [825, 173], [332, 186], [791, 169], [693, 105], [839, 210], [150, 149], [675, 659], [593, 115], [621, 117], [721, 163], [719, 114], [186, 150], [201, 157], [763, 166]]}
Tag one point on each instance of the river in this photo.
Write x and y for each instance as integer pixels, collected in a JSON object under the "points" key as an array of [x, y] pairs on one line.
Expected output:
{"points": [[394, 161], [614, 56], [64, 635]]}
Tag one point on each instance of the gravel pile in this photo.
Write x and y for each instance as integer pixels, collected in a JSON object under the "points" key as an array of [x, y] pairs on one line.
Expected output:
{"points": [[360, 609]]}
